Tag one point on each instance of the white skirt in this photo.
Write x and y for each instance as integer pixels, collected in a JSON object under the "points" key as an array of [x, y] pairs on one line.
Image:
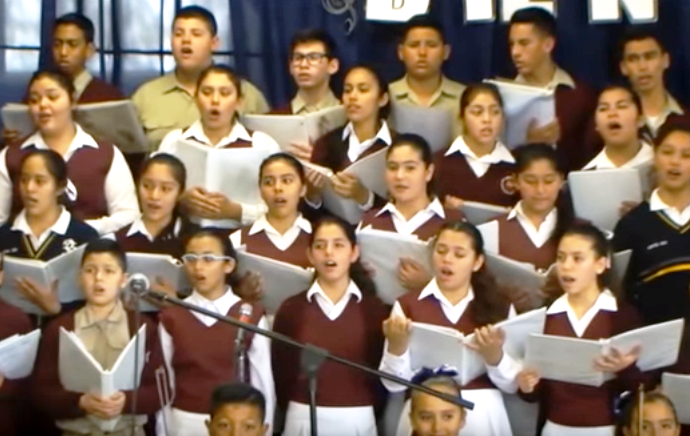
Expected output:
{"points": [[488, 418], [553, 429], [331, 421], [187, 423]]}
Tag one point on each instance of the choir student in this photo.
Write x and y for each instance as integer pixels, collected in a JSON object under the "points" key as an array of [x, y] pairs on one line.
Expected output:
{"points": [[105, 328], [167, 102], [197, 366], [532, 39], [237, 409], [365, 96], [341, 313], [586, 310], [219, 95], [100, 184], [282, 233], [657, 232], [432, 416], [659, 417], [413, 208], [462, 295], [44, 228], [477, 166]]}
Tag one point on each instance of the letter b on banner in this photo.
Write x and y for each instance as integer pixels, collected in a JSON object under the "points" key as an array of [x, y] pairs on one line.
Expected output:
{"points": [[395, 10]]}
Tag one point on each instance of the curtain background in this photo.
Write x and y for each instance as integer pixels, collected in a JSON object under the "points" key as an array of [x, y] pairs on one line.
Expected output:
{"points": [[133, 37]]}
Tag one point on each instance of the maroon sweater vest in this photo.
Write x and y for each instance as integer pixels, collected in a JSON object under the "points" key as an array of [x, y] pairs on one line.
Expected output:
{"points": [[355, 335], [514, 243], [87, 169], [429, 311], [98, 91], [13, 392], [455, 177], [574, 109], [424, 232], [331, 150], [203, 357], [259, 244]]}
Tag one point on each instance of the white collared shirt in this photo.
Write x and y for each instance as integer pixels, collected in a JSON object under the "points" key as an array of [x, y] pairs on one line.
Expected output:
{"points": [[502, 375], [680, 217], [195, 133], [671, 107], [480, 165], [281, 241], [138, 226], [602, 162], [606, 301], [408, 227], [331, 309], [120, 192], [560, 77], [356, 148], [538, 236], [258, 355], [81, 82], [59, 227]]}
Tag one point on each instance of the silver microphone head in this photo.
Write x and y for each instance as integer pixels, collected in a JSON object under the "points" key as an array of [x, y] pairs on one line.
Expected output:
{"points": [[246, 310], [139, 283]]}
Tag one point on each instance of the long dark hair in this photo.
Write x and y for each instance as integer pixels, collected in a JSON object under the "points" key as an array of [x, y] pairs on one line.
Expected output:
{"points": [[525, 156], [57, 168], [358, 274], [381, 82], [490, 304]]}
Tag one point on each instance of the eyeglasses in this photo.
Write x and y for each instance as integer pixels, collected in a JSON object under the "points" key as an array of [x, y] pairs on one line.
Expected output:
{"points": [[312, 58], [190, 258]]}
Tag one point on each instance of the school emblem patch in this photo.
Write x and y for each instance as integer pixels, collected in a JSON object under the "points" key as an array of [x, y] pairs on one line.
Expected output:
{"points": [[508, 185], [69, 245]]}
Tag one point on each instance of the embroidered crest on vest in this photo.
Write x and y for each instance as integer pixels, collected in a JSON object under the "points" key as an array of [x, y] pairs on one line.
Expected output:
{"points": [[508, 185]]}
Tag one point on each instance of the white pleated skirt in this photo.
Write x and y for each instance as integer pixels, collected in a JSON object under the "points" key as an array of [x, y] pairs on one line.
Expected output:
{"points": [[331, 421], [553, 429]]}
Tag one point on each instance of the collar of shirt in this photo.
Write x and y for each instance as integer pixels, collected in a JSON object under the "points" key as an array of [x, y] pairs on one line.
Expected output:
{"points": [[606, 301], [680, 217], [221, 306], [602, 162], [407, 227], [452, 312], [196, 132], [60, 227], [356, 148], [81, 82], [480, 165], [543, 233], [401, 89], [285, 240], [86, 319], [560, 77], [330, 309], [670, 107], [168, 83], [300, 107], [81, 139], [139, 227]]}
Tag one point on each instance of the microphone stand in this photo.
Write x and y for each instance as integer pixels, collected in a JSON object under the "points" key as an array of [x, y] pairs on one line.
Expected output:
{"points": [[241, 357], [312, 357]]}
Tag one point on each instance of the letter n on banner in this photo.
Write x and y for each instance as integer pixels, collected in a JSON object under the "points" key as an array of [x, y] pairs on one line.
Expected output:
{"points": [[638, 11]]}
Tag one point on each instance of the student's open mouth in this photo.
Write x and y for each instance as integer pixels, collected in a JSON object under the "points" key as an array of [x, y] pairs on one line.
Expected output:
{"points": [[487, 131], [186, 51], [567, 280], [214, 112], [279, 201], [445, 273], [330, 264], [674, 173], [98, 290], [615, 126]]}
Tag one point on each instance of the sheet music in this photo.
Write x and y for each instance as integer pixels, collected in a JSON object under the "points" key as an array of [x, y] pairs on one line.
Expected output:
{"points": [[480, 213], [433, 124], [659, 344], [371, 172], [14, 268], [126, 133], [510, 273], [18, 355], [345, 208], [564, 359], [677, 388], [619, 268], [15, 116]]}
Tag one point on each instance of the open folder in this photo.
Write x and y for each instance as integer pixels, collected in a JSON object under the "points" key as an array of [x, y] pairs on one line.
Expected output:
{"points": [[521, 105], [281, 280], [64, 269], [432, 346], [433, 124], [480, 213], [18, 355], [155, 266], [113, 121], [571, 360], [677, 388], [80, 372], [286, 129], [598, 194], [382, 252]]}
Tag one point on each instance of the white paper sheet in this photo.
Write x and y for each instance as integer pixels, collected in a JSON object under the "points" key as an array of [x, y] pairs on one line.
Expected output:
{"points": [[522, 104], [382, 251], [371, 171], [155, 266], [280, 280], [509, 272], [480, 213], [677, 388], [18, 355], [659, 344], [619, 268], [433, 124], [345, 208], [602, 206], [564, 359], [15, 116], [321, 122]]}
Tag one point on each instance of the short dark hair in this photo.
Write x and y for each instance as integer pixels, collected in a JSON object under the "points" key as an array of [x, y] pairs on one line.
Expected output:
{"points": [[540, 18], [639, 33], [381, 82], [200, 13], [315, 35], [58, 76], [80, 20], [424, 21], [237, 393], [671, 127], [288, 159], [623, 86], [106, 245], [177, 168]]}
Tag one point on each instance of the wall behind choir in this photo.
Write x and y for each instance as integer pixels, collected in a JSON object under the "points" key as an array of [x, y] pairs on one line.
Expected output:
{"points": [[256, 34]]}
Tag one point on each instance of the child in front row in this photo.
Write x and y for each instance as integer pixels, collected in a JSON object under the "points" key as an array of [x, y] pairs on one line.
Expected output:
{"points": [[105, 328], [237, 409], [586, 310], [432, 416], [200, 351], [659, 417]]}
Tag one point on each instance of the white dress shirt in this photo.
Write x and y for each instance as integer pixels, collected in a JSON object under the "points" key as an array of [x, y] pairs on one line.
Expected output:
{"points": [[281, 241], [59, 227], [120, 192], [602, 162], [538, 236], [356, 148], [408, 227], [480, 165], [606, 301], [560, 77], [331, 309], [250, 212], [680, 217], [138, 226], [259, 353], [503, 375]]}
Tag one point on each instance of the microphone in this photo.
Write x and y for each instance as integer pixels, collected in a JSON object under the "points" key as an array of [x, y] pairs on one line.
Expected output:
{"points": [[241, 354], [139, 284], [246, 313]]}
